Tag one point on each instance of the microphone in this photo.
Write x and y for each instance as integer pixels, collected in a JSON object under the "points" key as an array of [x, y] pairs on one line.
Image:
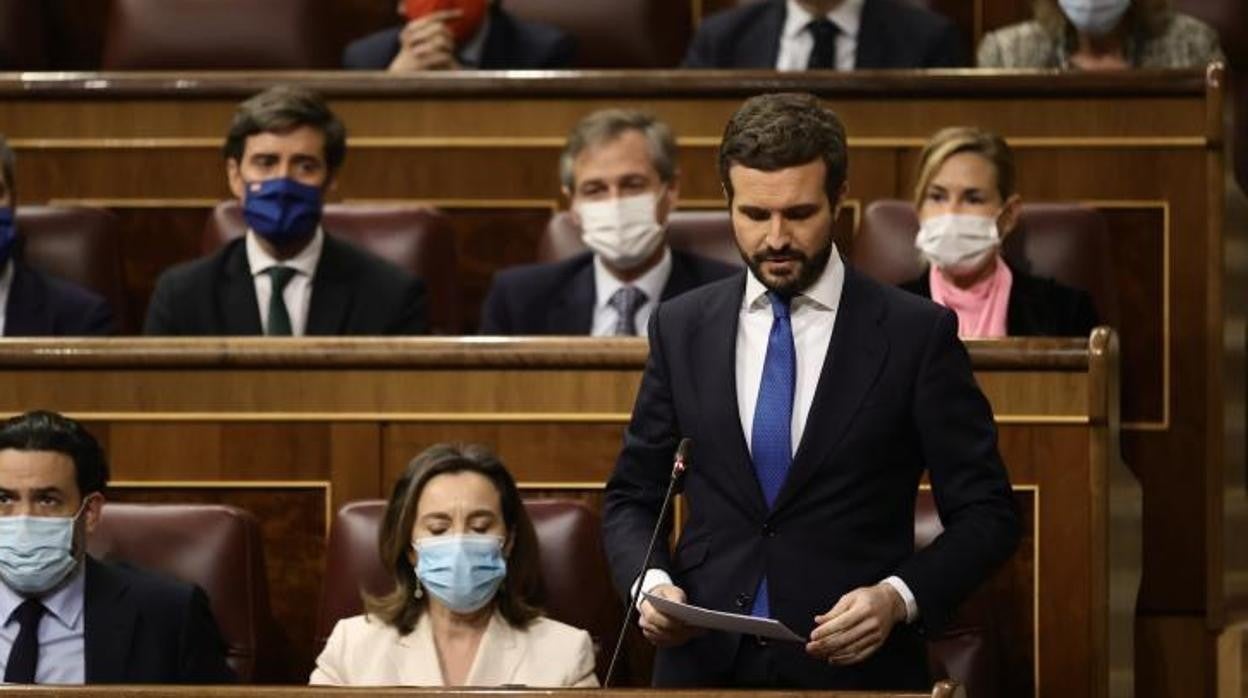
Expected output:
{"points": [[675, 485]]}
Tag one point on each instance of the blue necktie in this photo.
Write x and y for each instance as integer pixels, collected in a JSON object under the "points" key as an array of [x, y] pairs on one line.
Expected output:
{"points": [[771, 440]]}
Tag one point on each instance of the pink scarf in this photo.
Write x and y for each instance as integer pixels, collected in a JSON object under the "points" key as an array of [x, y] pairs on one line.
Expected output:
{"points": [[981, 308]]}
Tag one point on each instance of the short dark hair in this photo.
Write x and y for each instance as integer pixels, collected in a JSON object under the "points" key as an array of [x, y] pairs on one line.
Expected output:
{"points": [[521, 592], [281, 109], [8, 164], [776, 131], [48, 431]]}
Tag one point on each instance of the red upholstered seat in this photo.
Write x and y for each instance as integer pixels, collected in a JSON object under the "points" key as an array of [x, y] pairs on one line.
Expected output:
{"points": [[219, 549], [707, 233], [216, 35], [416, 238], [574, 569], [1067, 242], [616, 33], [78, 244]]}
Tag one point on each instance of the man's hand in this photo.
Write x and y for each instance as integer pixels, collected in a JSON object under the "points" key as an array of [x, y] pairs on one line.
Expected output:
{"points": [[427, 44], [857, 625], [663, 630]]}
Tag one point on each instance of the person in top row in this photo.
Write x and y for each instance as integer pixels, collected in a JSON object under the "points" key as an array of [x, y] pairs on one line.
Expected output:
{"points": [[967, 205]]}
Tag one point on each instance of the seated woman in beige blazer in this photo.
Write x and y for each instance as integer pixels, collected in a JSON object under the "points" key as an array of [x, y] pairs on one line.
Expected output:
{"points": [[465, 563]]}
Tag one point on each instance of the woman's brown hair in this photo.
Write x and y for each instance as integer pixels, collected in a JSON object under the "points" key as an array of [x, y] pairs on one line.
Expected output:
{"points": [[1146, 18], [965, 139], [521, 591]]}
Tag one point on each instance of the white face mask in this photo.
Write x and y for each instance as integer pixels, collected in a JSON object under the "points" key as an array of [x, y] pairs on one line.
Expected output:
{"points": [[958, 243], [1094, 17], [625, 232]]}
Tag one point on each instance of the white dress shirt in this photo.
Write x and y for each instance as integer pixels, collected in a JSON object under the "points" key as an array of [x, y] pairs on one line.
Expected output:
{"points": [[812, 316], [796, 41], [298, 291], [605, 285], [62, 642], [6, 282]]}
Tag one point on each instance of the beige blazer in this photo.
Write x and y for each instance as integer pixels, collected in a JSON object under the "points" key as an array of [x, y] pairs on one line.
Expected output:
{"points": [[363, 651]]}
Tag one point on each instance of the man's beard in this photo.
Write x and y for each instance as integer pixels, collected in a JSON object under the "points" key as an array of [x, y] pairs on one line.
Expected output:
{"points": [[809, 268]]}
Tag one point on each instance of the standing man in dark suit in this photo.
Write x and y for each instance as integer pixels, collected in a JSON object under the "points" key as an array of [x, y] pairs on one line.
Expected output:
{"points": [[481, 34], [815, 399], [66, 618], [286, 276], [33, 304], [827, 35], [619, 171]]}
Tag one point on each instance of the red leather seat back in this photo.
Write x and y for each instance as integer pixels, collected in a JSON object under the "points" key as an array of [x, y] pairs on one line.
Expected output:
{"points": [[216, 35], [706, 233], [617, 33], [78, 244], [574, 569], [216, 547], [22, 35], [1067, 242], [415, 238]]}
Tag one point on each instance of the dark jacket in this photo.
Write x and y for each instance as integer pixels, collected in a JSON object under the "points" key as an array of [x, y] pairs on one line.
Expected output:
{"points": [[558, 297], [895, 399], [511, 44], [143, 628], [45, 306], [893, 34], [1038, 307], [353, 293]]}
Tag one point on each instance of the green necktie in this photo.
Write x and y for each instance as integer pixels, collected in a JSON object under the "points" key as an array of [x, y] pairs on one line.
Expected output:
{"points": [[279, 318]]}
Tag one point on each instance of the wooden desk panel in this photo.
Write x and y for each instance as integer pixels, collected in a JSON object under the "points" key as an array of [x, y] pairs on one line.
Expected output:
{"points": [[296, 428]]}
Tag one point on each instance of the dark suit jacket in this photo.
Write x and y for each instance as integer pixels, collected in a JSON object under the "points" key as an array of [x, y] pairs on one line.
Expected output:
{"points": [[353, 293], [1038, 307], [142, 628], [511, 44], [44, 306], [893, 34], [558, 297], [895, 397]]}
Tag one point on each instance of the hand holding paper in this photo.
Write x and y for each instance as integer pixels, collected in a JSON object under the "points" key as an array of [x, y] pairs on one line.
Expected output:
{"points": [[697, 617]]}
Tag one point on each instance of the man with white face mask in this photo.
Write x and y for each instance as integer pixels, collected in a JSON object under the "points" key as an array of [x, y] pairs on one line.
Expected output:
{"points": [[619, 172], [66, 618]]}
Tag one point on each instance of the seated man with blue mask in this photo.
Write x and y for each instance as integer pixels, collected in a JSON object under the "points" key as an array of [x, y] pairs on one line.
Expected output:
{"points": [[65, 617], [32, 303], [286, 276], [619, 172]]}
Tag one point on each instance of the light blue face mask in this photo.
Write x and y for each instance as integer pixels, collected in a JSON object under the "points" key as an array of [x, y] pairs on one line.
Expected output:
{"points": [[36, 552], [462, 571], [1094, 17]]}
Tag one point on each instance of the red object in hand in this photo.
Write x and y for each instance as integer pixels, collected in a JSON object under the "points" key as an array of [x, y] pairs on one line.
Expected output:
{"points": [[472, 15]]}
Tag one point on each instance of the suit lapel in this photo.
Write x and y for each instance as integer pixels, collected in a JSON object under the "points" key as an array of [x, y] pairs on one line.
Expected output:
{"points": [[498, 655], [237, 305], [761, 46], [332, 293], [417, 663], [25, 313], [572, 313], [873, 38], [713, 354], [856, 354], [108, 626], [682, 276]]}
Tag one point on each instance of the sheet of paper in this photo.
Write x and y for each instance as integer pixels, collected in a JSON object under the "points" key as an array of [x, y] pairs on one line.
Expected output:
{"points": [[728, 622]]}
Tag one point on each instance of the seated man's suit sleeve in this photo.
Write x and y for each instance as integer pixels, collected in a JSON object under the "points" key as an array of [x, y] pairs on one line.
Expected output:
{"points": [[958, 441], [495, 320], [203, 650], [413, 314]]}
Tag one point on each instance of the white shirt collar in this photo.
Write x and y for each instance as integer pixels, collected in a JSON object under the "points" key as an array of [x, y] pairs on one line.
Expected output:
{"points": [[847, 17], [305, 262], [64, 604], [651, 283], [824, 294]]}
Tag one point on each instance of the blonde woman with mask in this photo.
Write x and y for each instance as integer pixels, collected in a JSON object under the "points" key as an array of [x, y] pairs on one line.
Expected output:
{"points": [[967, 205]]}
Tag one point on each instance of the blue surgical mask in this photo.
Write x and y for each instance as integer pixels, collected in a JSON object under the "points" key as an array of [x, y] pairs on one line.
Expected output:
{"points": [[36, 552], [1094, 17], [282, 210], [8, 234], [462, 571]]}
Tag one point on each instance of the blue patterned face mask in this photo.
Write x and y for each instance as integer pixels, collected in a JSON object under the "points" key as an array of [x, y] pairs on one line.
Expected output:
{"points": [[36, 552], [462, 571], [8, 234], [282, 210]]}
